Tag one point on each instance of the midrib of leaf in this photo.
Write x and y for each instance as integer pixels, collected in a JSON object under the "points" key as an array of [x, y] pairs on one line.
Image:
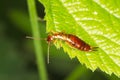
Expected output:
{"points": [[110, 17], [106, 8]]}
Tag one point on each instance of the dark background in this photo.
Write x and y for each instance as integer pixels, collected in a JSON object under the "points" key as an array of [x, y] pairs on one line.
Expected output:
{"points": [[17, 57]]}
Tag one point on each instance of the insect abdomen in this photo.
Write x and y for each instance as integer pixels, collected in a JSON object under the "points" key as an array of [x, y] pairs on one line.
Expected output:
{"points": [[78, 43]]}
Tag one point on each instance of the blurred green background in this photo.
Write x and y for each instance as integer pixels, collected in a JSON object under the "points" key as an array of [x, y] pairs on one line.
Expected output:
{"points": [[17, 57]]}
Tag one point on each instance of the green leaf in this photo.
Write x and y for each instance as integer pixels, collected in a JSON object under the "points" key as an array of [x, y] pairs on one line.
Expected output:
{"points": [[97, 22]]}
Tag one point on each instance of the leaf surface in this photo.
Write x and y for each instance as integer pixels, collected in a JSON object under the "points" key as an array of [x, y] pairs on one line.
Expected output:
{"points": [[97, 22]]}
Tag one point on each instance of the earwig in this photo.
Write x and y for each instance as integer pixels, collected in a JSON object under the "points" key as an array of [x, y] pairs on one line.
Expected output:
{"points": [[72, 40]]}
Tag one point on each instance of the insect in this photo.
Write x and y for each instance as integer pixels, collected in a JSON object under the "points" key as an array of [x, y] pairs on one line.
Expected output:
{"points": [[72, 40]]}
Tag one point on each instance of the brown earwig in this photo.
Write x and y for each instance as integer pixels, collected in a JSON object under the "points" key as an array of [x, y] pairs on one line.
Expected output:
{"points": [[72, 40]]}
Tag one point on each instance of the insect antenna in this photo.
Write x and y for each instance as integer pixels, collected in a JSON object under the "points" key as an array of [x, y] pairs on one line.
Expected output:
{"points": [[48, 53], [29, 37]]}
